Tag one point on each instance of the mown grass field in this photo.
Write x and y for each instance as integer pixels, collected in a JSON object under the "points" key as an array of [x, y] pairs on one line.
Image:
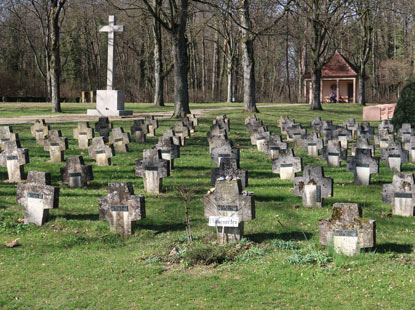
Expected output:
{"points": [[74, 262]]}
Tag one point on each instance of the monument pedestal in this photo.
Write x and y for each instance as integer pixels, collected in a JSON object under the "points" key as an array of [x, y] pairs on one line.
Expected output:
{"points": [[110, 103]]}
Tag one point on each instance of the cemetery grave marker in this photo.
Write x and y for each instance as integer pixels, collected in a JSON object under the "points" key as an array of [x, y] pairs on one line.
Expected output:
{"points": [[40, 131], [83, 133], [37, 196], [351, 125], [181, 131], [229, 168], [168, 150], [14, 158], [76, 174], [365, 130], [406, 132], [344, 136], [223, 122], [55, 144], [224, 151], [316, 124], [363, 165], [410, 147], [274, 145], [363, 143], [385, 124], [103, 127], [6, 135], [400, 194], [286, 165], [120, 140], [394, 156], [383, 138], [152, 169], [100, 152], [334, 153], [313, 144], [152, 124], [139, 130]]}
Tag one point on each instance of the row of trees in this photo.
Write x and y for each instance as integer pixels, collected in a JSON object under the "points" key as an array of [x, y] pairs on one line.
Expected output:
{"points": [[204, 50]]}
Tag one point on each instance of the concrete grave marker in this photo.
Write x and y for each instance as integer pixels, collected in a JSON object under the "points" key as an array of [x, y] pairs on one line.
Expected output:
{"points": [[400, 194], [316, 124], [313, 187], [103, 127], [363, 143], [121, 208], [40, 131], [6, 135], [223, 122], [193, 119], [139, 130], [189, 124], [76, 174], [394, 156], [344, 136], [169, 133], [284, 122], [37, 196], [286, 165], [14, 158], [274, 145], [347, 230], [410, 147], [296, 133], [334, 153], [100, 152], [120, 140], [152, 124], [313, 144], [224, 151], [327, 131], [365, 130], [181, 131], [83, 133], [168, 150], [229, 168], [351, 125], [227, 208], [363, 165], [110, 102], [152, 169], [383, 138], [55, 144], [406, 132], [385, 124]]}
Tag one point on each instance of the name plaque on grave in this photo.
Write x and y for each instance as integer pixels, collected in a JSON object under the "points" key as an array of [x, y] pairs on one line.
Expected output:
{"points": [[151, 168], [384, 140], [406, 133], [34, 195], [345, 233], [413, 148], [312, 144], [74, 174], [362, 166], [286, 165], [224, 221], [342, 136], [403, 195], [297, 134], [318, 193], [83, 133], [100, 152], [274, 148], [54, 144], [119, 140], [334, 154], [224, 155], [5, 140], [394, 156], [119, 208], [227, 208], [165, 152], [39, 130], [178, 131], [11, 157]]}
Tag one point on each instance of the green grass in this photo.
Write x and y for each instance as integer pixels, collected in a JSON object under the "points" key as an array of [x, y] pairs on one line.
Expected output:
{"points": [[74, 262]]}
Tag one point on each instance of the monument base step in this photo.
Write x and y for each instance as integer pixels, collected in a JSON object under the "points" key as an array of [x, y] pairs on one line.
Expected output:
{"points": [[109, 113]]}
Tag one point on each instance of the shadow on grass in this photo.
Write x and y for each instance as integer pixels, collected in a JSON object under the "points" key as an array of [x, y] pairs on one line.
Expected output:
{"points": [[287, 236], [393, 247], [161, 228], [80, 217]]}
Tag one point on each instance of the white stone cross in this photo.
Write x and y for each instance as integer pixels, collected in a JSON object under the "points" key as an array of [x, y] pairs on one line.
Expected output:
{"points": [[111, 29]]}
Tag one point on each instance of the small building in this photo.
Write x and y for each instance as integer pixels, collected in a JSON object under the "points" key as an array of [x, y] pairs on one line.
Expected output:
{"points": [[339, 76]]}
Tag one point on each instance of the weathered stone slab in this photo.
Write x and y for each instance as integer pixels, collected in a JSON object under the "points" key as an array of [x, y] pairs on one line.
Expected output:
{"points": [[37, 196], [385, 124], [334, 153], [351, 125], [14, 158], [168, 150], [40, 131], [313, 144], [121, 207], [273, 145], [6, 135], [224, 151], [287, 165], [285, 122], [101, 152], [296, 133], [139, 130], [363, 165], [327, 131], [400, 194], [365, 131], [410, 147], [394, 156], [313, 187], [344, 136], [55, 144], [152, 169], [223, 122], [76, 174], [182, 131], [383, 138], [152, 124], [363, 143], [120, 140], [316, 124], [347, 230], [103, 127], [227, 208], [83, 134], [229, 168], [406, 132]]}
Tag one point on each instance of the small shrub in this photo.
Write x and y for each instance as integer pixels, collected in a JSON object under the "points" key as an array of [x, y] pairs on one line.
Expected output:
{"points": [[206, 255], [284, 244], [310, 256], [252, 253], [405, 108]]}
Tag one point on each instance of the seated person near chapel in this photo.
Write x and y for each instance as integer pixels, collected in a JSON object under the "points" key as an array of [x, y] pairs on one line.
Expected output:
{"points": [[332, 97]]}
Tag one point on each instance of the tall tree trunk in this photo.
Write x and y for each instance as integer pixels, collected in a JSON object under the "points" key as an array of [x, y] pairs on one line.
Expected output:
{"points": [[54, 62], [215, 66], [362, 85], [158, 59], [316, 80], [229, 69], [248, 62]]}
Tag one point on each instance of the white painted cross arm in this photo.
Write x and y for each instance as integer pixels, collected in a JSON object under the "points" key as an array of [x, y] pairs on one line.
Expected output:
{"points": [[111, 27]]}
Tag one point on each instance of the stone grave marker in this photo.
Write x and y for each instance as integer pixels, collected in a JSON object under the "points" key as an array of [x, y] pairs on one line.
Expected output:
{"points": [[284, 122], [363, 143], [37, 196], [383, 138], [55, 144], [120, 140], [316, 124], [256, 126], [181, 131], [351, 125], [296, 134], [152, 169], [14, 158], [313, 187], [121, 207], [83, 133], [193, 118], [385, 124], [152, 124], [260, 138], [406, 132], [344, 136], [327, 131], [363, 165], [100, 152], [334, 153], [365, 130], [224, 151], [400, 194], [189, 124], [394, 156], [76, 174], [6, 135], [347, 230], [227, 207], [217, 141], [223, 122], [229, 168], [168, 150], [274, 145], [287, 165], [139, 130], [40, 131], [169, 133], [410, 147], [313, 144], [103, 127]]}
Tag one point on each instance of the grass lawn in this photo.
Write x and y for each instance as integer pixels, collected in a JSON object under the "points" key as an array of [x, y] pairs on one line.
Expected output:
{"points": [[74, 262]]}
